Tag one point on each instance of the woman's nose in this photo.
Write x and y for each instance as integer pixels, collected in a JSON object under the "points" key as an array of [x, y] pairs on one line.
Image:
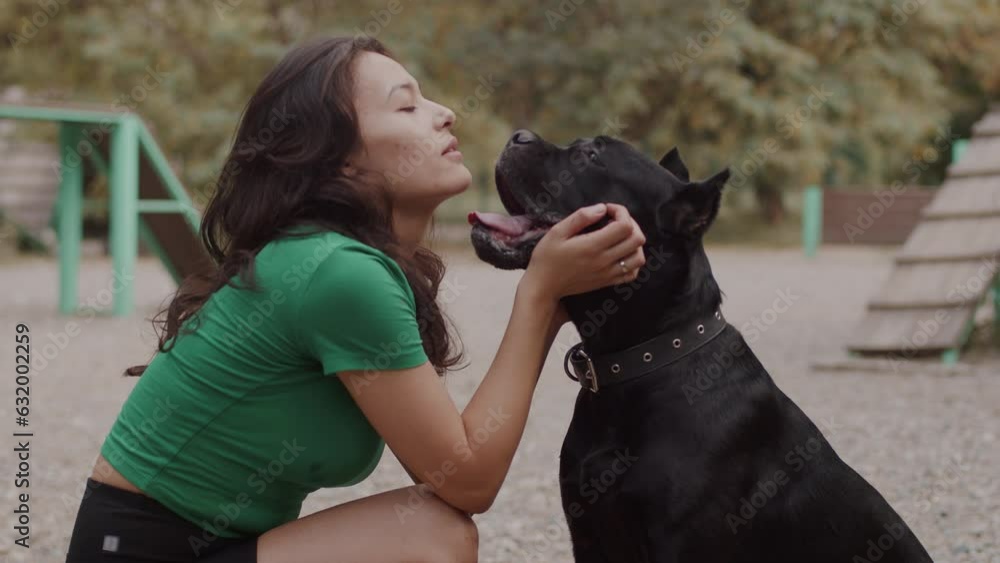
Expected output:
{"points": [[447, 116]]}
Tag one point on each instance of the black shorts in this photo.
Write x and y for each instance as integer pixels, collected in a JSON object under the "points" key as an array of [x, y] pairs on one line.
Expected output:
{"points": [[118, 526]]}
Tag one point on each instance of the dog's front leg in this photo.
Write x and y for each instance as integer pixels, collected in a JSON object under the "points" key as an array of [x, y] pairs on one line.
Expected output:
{"points": [[603, 527]]}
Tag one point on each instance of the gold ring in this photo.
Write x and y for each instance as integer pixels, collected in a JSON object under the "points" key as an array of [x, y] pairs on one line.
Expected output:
{"points": [[624, 268]]}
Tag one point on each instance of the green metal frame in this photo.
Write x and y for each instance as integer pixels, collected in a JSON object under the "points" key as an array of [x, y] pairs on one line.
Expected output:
{"points": [[69, 217], [996, 310], [952, 355], [129, 139], [812, 220]]}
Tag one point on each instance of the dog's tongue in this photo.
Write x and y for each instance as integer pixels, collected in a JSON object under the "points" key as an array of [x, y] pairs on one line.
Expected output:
{"points": [[513, 226]]}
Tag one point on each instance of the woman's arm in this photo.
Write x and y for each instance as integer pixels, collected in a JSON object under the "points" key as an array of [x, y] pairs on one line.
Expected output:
{"points": [[555, 325], [464, 457]]}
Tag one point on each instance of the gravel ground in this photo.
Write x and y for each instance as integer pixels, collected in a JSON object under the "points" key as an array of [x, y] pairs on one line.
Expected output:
{"points": [[928, 442]]}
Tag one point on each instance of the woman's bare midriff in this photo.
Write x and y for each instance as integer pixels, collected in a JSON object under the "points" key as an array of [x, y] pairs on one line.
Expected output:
{"points": [[105, 473]]}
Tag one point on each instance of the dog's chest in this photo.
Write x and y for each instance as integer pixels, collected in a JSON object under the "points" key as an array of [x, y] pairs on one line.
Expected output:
{"points": [[600, 474]]}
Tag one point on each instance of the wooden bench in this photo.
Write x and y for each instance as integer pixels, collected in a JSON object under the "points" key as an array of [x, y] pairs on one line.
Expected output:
{"points": [[857, 215]]}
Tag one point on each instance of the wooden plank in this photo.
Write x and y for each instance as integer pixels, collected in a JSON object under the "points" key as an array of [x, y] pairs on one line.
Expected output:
{"points": [[989, 126], [936, 284], [952, 239], [29, 184], [924, 366], [982, 158], [29, 155], [908, 332], [174, 235], [971, 197], [872, 216]]}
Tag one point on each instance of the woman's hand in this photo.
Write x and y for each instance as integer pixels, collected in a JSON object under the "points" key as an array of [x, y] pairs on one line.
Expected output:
{"points": [[566, 263]]}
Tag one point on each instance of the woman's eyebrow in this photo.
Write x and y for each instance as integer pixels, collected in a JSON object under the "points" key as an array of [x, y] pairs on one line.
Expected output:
{"points": [[406, 85]]}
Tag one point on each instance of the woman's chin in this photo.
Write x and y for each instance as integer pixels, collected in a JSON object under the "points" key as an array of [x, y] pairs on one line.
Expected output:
{"points": [[461, 181]]}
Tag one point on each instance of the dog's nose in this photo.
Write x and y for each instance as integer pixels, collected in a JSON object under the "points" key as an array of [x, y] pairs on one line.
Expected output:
{"points": [[523, 137]]}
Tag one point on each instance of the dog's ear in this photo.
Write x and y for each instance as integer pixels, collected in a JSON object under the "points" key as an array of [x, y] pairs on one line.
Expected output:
{"points": [[673, 163], [691, 211]]}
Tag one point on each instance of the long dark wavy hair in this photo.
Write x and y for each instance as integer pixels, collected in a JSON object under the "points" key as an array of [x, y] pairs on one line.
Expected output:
{"points": [[285, 170]]}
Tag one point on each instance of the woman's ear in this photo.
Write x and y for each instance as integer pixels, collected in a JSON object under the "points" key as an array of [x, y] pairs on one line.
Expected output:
{"points": [[693, 209]]}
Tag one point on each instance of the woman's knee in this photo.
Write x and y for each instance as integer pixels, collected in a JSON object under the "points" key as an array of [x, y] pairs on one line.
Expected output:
{"points": [[455, 532]]}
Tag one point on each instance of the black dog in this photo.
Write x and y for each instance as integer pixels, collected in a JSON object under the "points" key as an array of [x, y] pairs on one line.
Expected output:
{"points": [[681, 447]]}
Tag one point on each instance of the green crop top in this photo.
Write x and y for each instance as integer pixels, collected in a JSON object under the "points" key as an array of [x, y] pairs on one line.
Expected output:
{"points": [[242, 418]]}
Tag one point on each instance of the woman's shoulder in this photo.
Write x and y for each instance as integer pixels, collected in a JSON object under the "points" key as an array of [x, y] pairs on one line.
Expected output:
{"points": [[322, 257]]}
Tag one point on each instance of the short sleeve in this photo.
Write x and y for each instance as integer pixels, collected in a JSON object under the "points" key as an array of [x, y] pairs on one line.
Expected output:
{"points": [[358, 313]]}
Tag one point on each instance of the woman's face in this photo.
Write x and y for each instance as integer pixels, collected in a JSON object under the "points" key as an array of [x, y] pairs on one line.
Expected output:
{"points": [[405, 136]]}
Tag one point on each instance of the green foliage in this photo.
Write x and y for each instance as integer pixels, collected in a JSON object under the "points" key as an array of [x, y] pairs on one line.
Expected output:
{"points": [[787, 92]]}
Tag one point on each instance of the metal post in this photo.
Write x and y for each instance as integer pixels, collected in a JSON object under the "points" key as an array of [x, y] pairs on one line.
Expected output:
{"points": [[69, 216], [958, 149], [996, 310], [812, 219], [123, 186]]}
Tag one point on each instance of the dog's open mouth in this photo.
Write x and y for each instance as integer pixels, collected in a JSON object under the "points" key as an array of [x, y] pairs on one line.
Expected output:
{"points": [[509, 230], [506, 241]]}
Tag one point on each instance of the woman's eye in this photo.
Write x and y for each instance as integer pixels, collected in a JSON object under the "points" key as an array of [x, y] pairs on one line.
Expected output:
{"points": [[409, 109]]}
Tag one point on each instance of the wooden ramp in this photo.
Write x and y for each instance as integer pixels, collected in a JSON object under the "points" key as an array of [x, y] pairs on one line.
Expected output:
{"points": [[168, 225], [29, 185], [949, 263]]}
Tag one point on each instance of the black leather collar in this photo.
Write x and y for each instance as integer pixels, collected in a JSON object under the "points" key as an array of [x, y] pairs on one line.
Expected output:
{"points": [[594, 372]]}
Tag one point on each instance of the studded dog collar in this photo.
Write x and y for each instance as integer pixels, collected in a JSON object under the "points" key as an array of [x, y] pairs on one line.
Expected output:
{"points": [[594, 372]]}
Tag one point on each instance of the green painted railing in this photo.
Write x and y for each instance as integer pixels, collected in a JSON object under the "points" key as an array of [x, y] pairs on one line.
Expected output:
{"points": [[80, 130]]}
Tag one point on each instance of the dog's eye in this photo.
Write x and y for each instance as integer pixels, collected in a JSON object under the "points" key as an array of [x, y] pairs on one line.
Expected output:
{"points": [[592, 155]]}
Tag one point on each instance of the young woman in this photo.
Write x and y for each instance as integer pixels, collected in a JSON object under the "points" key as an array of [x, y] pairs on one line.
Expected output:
{"points": [[318, 341]]}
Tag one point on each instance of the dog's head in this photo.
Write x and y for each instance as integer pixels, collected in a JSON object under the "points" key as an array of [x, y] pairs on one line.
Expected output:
{"points": [[540, 183]]}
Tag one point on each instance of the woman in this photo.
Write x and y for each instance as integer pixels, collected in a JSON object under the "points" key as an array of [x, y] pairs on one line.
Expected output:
{"points": [[318, 341]]}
